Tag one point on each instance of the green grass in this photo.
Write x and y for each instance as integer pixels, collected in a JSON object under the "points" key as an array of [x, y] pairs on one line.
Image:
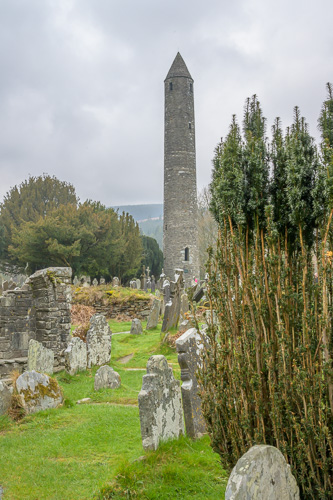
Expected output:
{"points": [[71, 452]]}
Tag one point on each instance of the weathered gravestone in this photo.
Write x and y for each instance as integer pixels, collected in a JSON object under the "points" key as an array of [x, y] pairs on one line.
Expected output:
{"points": [[153, 284], [115, 282], [5, 286], [5, 397], [40, 358], [76, 281], [38, 391], [138, 284], [136, 327], [107, 378], [184, 305], [95, 282], [188, 347], [98, 341], [102, 281], [172, 307], [76, 356], [160, 407], [262, 473], [154, 315]]}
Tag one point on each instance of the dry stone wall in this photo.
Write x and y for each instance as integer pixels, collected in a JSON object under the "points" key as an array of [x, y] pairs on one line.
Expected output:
{"points": [[40, 310]]}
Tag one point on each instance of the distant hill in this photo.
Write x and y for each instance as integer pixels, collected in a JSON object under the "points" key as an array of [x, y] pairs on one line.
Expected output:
{"points": [[149, 218], [142, 212]]}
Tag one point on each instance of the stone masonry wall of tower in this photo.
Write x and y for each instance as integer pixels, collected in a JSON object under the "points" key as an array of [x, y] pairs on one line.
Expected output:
{"points": [[180, 230]]}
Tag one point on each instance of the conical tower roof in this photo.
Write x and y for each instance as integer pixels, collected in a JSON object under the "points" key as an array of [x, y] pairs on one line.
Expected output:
{"points": [[178, 68]]}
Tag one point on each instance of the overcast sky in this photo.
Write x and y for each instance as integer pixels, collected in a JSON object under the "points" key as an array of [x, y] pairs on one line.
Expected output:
{"points": [[82, 94]]}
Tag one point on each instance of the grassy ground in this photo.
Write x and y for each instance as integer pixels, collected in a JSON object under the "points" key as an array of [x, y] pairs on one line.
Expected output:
{"points": [[71, 452]]}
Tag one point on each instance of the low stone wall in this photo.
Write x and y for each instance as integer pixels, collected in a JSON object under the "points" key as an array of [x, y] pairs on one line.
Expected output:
{"points": [[40, 310], [136, 309]]}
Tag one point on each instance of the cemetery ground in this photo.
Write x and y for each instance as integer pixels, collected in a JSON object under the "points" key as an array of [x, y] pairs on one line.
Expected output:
{"points": [[94, 450]]}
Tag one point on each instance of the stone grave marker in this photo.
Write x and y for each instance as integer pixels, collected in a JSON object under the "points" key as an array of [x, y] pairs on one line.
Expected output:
{"points": [[261, 473], [95, 282], [160, 407], [136, 327], [38, 391], [153, 284], [5, 397], [138, 284], [106, 378], [154, 315], [40, 358], [98, 341], [188, 347], [76, 356]]}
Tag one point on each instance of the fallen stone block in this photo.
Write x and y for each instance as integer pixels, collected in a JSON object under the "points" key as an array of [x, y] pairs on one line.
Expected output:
{"points": [[38, 391]]}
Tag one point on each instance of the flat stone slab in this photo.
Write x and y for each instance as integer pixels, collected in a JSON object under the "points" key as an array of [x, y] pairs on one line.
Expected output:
{"points": [[38, 391], [262, 473]]}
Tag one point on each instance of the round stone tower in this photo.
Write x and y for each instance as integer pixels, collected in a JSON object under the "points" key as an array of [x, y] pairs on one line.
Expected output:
{"points": [[180, 230]]}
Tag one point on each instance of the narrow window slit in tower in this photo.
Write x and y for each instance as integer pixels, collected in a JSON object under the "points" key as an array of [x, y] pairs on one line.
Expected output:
{"points": [[189, 126], [187, 254], [191, 87], [170, 85]]}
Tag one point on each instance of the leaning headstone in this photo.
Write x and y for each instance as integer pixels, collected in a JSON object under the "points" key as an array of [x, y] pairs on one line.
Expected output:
{"points": [[188, 347], [154, 315], [5, 286], [95, 282], [172, 307], [166, 291], [160, 407], [136, 327], [5, 397], [102, 281], [76, 281], [106, 378], [157, 293], [138, 284], [260, 473], [38, 391], [98, 341], [40, 358], [76, 356]]}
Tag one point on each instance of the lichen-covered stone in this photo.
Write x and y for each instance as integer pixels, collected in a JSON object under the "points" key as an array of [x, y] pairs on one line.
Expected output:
{"points": [[262, 473], [188, 347], [38, 391], [106, 378], [5, 398], [40, 358], [98, 341], [76, 356], [136, 327], [160, 407], [154, 315]]}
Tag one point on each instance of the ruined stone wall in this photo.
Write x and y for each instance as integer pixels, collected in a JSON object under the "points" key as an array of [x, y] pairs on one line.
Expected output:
{"points": [[40, 310], [180, 230]]}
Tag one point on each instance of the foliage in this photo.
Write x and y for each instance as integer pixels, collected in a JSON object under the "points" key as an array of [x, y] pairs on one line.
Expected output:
{"points": [[267, 373], [89, 238], [207, 228], [32, 199], [152, 255]]}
